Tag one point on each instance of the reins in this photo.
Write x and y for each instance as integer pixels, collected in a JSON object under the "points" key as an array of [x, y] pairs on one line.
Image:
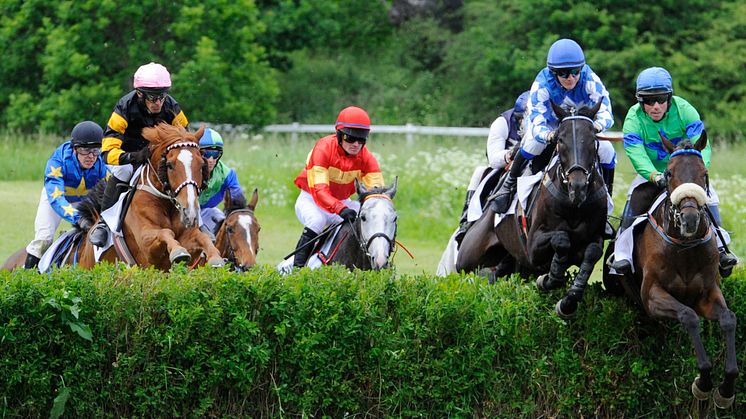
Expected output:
{"points": [[170, 194]]}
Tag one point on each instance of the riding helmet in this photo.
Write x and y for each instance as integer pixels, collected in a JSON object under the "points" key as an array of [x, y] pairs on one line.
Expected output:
{"points": [[354, 122], [565, 53], [87, 134]]}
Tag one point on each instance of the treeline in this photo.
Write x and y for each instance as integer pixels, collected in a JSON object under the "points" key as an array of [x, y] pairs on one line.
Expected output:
{"points": [[267, 61]]}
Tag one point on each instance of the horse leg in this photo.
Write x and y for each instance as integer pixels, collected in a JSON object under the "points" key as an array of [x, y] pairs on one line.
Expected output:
{"points": [[567, 306], [659, 303], [203, 243], [159, 241], [714, 308], [479, 245], [560, 242]]}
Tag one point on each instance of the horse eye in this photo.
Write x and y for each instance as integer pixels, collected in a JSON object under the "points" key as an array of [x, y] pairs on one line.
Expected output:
{"points": [[362, 218], [170, 166], [230, 230]]}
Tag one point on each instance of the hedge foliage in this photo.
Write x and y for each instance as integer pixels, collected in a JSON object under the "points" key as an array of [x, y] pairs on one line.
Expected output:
{"points": [[115, 342]]}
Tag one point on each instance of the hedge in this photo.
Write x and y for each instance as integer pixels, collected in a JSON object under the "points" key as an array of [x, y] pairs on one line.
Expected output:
{"points": [[116, 342]]}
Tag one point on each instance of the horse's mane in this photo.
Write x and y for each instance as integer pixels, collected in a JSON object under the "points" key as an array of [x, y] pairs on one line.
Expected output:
{"points": [[164, 135], [90, 206]]}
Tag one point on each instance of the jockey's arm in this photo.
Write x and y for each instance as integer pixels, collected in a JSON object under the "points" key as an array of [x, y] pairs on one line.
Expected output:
{"points": [[497, 141], [54, 186]]}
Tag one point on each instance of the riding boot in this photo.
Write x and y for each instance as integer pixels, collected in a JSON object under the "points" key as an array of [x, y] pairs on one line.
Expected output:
{"points": [[304, 247], [504, 195], [727, 260], [608, 175], [464, 224], [32, 262], [100, 234]]}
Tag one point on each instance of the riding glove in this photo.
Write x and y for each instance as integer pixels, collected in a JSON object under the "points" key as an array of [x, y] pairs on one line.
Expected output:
{"points": [[348, 214], [661, 181], [136, 158]]}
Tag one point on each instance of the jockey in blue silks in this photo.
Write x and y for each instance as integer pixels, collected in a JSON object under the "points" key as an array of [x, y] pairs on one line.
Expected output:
{"points": [[570, 83], [74, 169], [222, 178]]}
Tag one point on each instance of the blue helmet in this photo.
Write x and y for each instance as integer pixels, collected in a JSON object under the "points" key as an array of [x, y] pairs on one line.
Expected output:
{"points": [[654, 80], [520, 104], [211, 139], [565, 53]]}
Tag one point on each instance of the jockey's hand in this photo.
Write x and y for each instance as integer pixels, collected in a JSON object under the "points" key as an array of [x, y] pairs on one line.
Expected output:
{"points": [[348, 214], [552, 137], [661, 181], [137, 158]]}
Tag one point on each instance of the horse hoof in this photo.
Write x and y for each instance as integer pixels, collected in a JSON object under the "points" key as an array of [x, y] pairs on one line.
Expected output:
{"points": [[541, 282], [179, 255], [722, 402], [699, 394], [216, 263], [562, 315]]}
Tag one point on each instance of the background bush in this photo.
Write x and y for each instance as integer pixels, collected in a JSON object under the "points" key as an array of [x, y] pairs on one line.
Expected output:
{"points": [[327, 342]]}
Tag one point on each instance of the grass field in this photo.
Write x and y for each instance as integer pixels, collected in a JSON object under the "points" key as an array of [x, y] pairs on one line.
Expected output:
{"points": [[432, 171]]}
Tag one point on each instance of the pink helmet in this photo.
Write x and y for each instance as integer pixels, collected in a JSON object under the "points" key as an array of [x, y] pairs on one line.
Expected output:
{"points": [[152, 76]]}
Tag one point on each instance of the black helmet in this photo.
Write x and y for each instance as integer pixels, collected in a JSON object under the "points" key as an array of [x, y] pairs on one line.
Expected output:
{"points": [[87, 134]]}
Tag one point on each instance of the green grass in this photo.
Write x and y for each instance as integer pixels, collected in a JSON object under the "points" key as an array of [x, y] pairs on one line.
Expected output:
{"points": [[433, 173]]}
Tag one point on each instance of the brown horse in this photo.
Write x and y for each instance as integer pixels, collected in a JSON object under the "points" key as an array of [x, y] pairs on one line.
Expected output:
{"points": [[160, 227], [563, 225], [676, 266], [237, 238]]}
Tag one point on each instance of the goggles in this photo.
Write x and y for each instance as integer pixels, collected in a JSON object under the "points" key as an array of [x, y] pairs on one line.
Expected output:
{"points": [[564, 73], [212, 154], [651, 100], [352, 140], [153, 96], [85, 151]]}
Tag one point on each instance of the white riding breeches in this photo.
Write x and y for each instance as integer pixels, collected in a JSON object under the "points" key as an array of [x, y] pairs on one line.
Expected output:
{"points": [[45, 225], [123, 172], [315, 218], [211, 218]]}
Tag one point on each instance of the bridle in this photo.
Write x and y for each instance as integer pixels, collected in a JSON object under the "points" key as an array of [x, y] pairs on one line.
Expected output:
{"points": [[565, 174], [358, 235], [675, 210], [170, 194], [231, 252]]}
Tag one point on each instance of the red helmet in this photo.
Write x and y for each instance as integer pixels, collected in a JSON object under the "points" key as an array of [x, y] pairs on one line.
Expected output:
{"points": [[354, 122]]}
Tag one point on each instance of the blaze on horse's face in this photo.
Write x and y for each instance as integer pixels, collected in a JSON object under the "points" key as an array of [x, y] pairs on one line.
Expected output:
{"points": [[577, 147], [377, 218], [181, 167], [238, 237], [687, 183]]}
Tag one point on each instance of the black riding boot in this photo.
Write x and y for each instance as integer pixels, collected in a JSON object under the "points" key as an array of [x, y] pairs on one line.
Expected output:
{"points": [[727, 260], [504, 195], [304, 247], [608, 175], [100, 234], [32, 262], [464, 224]]}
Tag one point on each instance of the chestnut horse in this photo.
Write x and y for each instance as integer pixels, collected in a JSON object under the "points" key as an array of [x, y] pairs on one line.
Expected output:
{"points": [[237, 238], [675, 263], [160, 227], [563, 224]]}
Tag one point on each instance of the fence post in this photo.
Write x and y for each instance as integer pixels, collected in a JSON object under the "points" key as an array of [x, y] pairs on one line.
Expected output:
{"points": [[294, 134], [409, 129]]}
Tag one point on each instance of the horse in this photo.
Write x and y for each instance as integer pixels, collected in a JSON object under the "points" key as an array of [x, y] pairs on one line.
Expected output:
{"points": [[237, 237], [675, 265], [160, 228], [563, 224], [367, 243]]}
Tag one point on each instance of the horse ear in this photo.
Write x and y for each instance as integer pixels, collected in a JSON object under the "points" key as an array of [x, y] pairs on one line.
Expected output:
{"points": [[667, 144], [594, 110], [392, 190], [200, 131], [254, 199], [561, 114], [702, 142], [360, 188], [227, 201]]}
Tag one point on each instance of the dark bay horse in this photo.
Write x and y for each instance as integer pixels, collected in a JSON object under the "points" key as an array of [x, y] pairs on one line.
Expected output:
{"points": [[676, 261], [563, 224], [368, 243], [237, 238]]}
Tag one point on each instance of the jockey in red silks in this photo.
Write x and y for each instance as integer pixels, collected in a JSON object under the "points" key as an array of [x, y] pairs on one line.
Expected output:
{"points": [[327, 181]]}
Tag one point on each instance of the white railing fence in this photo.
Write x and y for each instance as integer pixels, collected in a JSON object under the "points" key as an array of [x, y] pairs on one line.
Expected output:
{"points": [[409, 130]]}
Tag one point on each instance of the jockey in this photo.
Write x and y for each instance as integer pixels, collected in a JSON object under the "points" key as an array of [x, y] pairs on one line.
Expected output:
{"points": [[570, 83], [505, 132], [74, 168], [124, 149], [658, 112], [222, 178], [327, 181]]}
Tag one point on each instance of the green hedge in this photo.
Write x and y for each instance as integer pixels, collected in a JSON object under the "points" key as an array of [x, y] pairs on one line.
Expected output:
{"points": [[118, 342]]}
